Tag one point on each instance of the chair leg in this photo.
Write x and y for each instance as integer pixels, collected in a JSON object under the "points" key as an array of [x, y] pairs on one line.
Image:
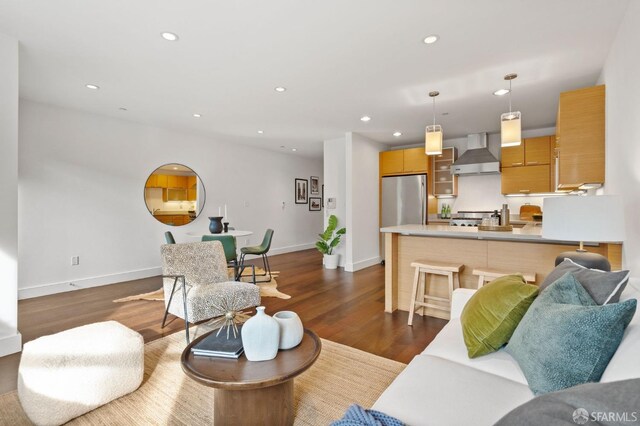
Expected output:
{"points": [[166, 311], [184, 303], [414, 294]]}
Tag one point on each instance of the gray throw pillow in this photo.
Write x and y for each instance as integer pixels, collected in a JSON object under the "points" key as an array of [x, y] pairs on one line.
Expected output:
{"points": [[603, 287], [565, 339], [605, 404]]}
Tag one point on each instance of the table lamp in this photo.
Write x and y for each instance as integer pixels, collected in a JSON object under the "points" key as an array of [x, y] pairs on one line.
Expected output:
{"points": [[591, 218]]}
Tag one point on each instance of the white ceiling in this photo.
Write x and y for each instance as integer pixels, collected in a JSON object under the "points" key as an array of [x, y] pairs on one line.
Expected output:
{"points": [[338, 59]]}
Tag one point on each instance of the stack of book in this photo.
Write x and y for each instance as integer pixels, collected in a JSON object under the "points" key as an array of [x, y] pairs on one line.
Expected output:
{"points": [[219, 346]]}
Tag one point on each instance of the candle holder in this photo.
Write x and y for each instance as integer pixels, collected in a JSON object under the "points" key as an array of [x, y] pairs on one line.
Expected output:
{"points": [[226, 227], [215, 226]]}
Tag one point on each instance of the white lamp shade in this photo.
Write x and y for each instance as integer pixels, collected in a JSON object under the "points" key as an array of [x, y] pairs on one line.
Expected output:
{"points": [[583, 218], [433, 140], [511, 128]]}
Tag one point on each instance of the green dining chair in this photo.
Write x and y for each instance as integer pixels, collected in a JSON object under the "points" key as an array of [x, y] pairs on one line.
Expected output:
{"points": [[262, 251], [230, 253], [168, 236]]}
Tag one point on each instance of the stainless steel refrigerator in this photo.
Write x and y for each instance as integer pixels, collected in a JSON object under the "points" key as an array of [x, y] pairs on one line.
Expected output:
{"points": [[404, 200]]}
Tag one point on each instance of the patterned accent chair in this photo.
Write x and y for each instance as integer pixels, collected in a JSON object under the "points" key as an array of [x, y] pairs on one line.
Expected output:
{"points": [[197, 286]]}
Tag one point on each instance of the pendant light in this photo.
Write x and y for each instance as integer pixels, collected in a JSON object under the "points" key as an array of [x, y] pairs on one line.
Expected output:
{"points": [[433, 134], [510, 124]]}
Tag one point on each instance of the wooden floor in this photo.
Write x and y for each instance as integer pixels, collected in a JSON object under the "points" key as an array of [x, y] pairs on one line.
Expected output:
{"points": [[343, 307]]}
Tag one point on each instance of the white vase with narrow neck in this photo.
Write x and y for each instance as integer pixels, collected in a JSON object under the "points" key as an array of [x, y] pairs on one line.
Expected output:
{"points": [[260, 337]]}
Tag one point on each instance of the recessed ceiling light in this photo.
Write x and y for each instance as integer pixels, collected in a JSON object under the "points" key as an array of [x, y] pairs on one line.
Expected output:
{"points": [[169, 36], [501, 92], [430, 39], [92, 86], [197, 115], [293, 149], [175, 168], [260, 132], [280, 89], [365, 118], [397, 134]]}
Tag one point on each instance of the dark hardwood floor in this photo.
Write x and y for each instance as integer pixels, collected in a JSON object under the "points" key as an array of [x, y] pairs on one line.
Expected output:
{"points": [[343, 307]]}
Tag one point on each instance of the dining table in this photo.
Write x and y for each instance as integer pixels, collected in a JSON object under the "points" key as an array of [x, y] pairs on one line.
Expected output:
{"points": [[233, 232]]}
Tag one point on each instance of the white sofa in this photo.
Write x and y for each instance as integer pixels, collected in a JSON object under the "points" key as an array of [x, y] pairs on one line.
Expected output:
{"points": [[442, 386]]}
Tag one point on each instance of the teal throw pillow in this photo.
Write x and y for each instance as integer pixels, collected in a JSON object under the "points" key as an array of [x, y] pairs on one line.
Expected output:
{"points": [[565, 338]]}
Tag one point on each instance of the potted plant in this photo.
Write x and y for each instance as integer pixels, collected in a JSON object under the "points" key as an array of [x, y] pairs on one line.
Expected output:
{"points": [[329, 240]]}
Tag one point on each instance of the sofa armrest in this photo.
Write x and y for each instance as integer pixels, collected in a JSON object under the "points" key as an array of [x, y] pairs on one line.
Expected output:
{"points": [[460, 298]]}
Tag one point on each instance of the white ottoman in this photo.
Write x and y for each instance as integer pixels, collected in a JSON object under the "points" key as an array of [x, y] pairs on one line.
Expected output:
{"points": [[67, 374]]}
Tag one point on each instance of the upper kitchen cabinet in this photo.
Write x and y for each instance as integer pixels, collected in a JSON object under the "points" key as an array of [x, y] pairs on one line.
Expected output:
{"points": [[391, 162], [531, 152], [444, 182], [580, 144], [415, 160], [526, 168], [403, 161], [525, 180]]}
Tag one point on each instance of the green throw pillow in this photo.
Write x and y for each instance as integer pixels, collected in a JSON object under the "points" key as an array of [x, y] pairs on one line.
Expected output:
{"points": [[493, 313], [566, 339]]}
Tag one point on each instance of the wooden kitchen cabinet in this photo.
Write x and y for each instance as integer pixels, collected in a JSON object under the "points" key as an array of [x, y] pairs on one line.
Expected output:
{"points": [[415, 160], [192, 194], [525, 180], [444, 183], [391, 162], [162, 181], [537, 150], [531, 152], [580, 137], [192, 182], [177, 181], [152, 182]]}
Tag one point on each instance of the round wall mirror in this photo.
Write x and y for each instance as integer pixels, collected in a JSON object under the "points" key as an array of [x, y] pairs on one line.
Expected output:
{"points": [[174, 194]]}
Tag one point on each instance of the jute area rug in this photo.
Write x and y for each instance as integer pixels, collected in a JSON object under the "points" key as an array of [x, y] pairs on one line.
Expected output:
{"points": [[268, 289], [340, 377]]}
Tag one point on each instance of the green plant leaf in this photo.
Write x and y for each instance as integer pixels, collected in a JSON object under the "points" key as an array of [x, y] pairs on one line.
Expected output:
{"points": [[335, 242], [322, 247], [341, 231], [332, 222]]}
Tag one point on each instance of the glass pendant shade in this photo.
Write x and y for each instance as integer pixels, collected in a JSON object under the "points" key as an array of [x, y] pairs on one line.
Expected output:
{"points": [[511, 129], [433, 140]]}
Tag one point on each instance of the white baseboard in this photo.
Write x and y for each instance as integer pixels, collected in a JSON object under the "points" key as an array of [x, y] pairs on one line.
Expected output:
{"points": [[79, 284], [10, 344], [356, 266], [291, 249]]}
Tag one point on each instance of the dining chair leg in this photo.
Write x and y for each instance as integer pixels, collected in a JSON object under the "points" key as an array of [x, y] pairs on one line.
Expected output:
{"points": [[166, 311]]}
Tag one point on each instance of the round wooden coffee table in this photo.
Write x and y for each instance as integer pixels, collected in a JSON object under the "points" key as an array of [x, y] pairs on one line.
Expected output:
{"points": [[253, 392]]}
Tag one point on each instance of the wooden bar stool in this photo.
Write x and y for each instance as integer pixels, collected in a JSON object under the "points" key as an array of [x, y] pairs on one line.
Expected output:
{"points": [[487, 275], [423, 268]]}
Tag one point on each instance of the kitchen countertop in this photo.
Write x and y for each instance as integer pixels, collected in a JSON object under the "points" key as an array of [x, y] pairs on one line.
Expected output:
{"points": [[528, 233]]}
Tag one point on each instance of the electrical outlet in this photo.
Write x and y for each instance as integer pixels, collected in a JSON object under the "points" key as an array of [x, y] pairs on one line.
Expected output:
{"points": [[75, 260], [246, 204]]}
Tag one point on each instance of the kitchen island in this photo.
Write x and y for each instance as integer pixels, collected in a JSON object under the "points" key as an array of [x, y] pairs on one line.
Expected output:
{"points": [[521, 250]]}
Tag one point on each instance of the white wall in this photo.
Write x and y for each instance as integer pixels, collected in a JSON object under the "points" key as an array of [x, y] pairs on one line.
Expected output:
{"points": [[10, 340], [484, 192], [362, 182], [620, 75], [82, 182], [335, 170]]}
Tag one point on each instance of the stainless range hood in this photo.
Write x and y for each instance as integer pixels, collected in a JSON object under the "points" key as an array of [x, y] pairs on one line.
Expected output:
{"points": [[476, 160]]}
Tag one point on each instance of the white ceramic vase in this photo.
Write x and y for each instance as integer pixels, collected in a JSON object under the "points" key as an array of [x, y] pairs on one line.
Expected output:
{"points": [[291, 330], [260, 336], [331, 261]]}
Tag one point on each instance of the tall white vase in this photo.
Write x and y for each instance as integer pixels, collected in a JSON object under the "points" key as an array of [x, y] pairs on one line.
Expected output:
{"points": [[291, 330], [260, 337]]}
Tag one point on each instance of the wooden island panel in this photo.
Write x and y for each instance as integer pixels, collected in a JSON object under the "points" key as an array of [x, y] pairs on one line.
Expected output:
{"points": [[514, 256]]}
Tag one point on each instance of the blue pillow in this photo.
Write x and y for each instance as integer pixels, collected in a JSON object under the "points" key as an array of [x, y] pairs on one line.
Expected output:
{"points": [[565, 338]]}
